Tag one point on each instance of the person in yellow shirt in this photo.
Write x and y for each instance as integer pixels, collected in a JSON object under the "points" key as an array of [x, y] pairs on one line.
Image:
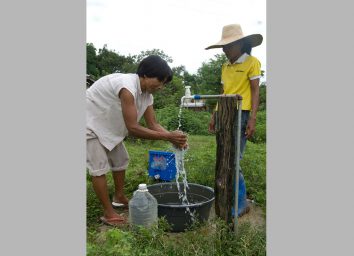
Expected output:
{"points": [[240, 75]]}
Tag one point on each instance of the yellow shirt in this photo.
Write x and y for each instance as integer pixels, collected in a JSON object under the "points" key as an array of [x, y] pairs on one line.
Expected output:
{"points": [[236, 77]]}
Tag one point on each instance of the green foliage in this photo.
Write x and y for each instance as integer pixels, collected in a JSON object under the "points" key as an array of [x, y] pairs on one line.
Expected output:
{"points": [[187, 78], [93, 207], [200, 165], [192, 122], [262, 97], [253, 167], [209, 75], [260, 134], [214, 238], [211, 238], [112, 242], [91, 61], [109, 62], [206, 81], [129, 66], [191, 80], [170, 95], [157, 52], [200, 160], [179, 71]]}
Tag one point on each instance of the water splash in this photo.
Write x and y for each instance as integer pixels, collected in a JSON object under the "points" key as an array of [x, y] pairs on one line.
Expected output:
{"points": [[181, 172], [180, 117]]}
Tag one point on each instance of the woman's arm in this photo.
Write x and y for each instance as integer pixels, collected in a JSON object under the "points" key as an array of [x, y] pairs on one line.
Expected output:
{"points": [[135, 129], [251, 125]]}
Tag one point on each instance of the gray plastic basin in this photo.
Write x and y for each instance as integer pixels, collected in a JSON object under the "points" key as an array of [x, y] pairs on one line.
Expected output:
{"points": [[200, 200]]}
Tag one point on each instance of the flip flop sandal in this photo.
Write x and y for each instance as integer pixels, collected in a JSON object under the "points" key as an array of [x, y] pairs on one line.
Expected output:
{"points": [[119, 205], [114, 222]]}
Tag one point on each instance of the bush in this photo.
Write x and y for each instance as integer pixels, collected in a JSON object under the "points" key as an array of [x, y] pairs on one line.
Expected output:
{"points": [[262, 97], [253, 167], [192, 122], [170, 95], [260, 134]]}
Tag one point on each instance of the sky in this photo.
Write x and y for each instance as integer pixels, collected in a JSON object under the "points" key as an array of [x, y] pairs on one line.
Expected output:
{"points": [[182, 29]]}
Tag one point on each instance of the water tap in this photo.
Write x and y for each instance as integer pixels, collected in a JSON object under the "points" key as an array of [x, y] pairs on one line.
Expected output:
{"points": [[187, 93]]}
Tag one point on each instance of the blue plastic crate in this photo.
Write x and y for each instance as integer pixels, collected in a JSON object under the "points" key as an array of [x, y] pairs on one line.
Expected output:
{"points": [[162, 165]]}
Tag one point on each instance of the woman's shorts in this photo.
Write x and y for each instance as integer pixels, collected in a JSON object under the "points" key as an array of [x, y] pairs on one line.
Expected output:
{"points": [[100, 160]]}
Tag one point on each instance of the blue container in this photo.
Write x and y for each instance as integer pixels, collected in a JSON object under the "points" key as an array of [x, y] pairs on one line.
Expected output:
{"points": [[162, 165], [242, 196]]}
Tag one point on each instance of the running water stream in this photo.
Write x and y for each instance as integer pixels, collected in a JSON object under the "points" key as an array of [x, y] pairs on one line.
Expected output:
{"points": [[181, 172]]}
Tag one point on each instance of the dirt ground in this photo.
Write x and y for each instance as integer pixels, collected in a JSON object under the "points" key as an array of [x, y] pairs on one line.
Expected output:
{"points": [[255, 216]]}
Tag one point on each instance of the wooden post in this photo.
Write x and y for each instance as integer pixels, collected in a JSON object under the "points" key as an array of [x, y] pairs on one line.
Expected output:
{"points": [[225, 157]]}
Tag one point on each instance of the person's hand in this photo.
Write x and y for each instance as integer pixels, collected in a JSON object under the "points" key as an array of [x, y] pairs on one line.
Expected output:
{"points": [[211, 127], [185, 146], [178, 139], [251, 127]]}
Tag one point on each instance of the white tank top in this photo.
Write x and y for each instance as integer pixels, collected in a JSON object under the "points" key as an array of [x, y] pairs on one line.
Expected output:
{"points": [[103, 107]]}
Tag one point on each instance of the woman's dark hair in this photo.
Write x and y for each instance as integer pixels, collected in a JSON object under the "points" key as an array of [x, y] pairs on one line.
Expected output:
{"points": [[246, 47], [245, 44], [154, 66]]}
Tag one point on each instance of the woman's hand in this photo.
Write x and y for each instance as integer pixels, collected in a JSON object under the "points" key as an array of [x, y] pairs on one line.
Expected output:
{"points": [[251, 127], [211, 127], [178, 139]]}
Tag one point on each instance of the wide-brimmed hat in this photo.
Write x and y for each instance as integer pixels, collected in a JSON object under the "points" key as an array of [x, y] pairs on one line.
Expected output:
{"points": [[232, 33]]}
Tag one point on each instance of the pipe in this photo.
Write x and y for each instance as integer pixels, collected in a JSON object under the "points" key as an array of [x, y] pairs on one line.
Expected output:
{"points": [[185, 97], [198, 97], [237, 162]]}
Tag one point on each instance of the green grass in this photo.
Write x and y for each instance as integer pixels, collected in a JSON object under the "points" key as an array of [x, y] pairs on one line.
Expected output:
{"points": [[213, 238], [253, 167]]}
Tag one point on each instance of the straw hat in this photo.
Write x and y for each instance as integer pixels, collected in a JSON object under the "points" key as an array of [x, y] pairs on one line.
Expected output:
{"points": [[232, 33]]}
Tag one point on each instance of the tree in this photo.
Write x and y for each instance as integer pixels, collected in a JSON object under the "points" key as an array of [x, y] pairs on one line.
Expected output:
{"points": [[209, 75], [179, 71], [170, 95], [109, 62], [129, 66], [91, 60], [191, 80], [157, 52]]}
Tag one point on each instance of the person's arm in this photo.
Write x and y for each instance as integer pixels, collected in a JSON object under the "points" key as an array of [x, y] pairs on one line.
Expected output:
{"points": [[150, 120], [211, 127], [251, 125], [135, 129], [152, 124]]}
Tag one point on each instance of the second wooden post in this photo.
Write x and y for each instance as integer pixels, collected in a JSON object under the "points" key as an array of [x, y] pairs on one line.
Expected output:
{"points": [[225, 120]]}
